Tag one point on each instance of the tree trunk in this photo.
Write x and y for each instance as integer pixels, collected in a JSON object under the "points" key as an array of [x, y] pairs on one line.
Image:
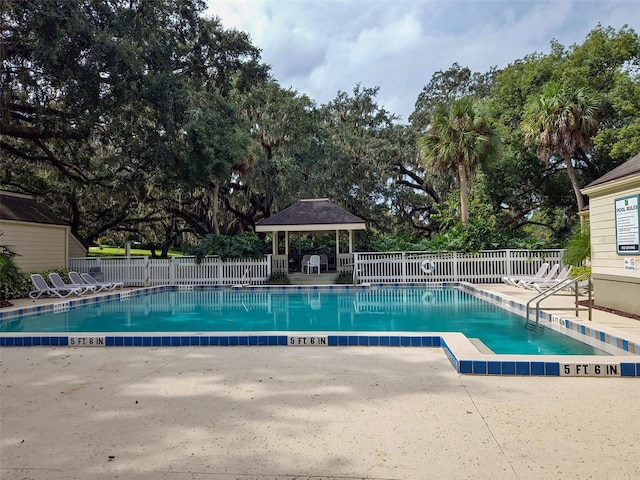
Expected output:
{"points": [[574, 182], [464, 197], [216, 189]]}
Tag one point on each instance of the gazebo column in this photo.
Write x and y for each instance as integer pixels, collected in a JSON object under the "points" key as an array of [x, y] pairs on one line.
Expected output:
{"points": [[274, 243], [286, 243], [351, 241]]}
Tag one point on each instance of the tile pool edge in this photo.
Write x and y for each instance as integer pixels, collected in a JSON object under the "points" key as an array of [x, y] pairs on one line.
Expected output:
{"points": [[462, 354]]}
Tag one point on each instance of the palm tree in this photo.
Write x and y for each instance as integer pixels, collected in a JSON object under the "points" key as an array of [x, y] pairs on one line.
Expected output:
{"points": [[561, 122], [459, 138]]}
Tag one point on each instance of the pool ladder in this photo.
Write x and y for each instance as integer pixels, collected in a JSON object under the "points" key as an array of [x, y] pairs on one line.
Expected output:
{"points": [[245, 281], [533, 324]]}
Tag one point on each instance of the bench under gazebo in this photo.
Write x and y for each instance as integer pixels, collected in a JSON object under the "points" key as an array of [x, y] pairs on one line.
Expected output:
{"points": [[311, 215]]}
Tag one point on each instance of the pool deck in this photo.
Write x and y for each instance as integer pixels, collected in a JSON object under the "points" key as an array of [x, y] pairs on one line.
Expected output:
{"points": [[307, 413]]}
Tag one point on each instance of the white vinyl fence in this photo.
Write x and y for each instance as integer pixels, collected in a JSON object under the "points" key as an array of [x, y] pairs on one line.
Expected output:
{"points": [[379, 267], [145, 271], [487, 266]]}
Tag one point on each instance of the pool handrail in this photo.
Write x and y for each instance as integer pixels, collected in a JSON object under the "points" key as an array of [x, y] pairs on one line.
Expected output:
{"points": [[555, 290]]}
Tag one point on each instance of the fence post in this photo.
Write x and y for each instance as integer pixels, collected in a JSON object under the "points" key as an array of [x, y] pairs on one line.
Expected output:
{"points": [[269, 265], [172, 271], [355, 269], [455, 266], [508, 267], [147, 271], [404, 267]]}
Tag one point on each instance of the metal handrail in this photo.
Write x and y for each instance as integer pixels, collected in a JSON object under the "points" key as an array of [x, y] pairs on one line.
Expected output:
{"points": [[557, 288]]}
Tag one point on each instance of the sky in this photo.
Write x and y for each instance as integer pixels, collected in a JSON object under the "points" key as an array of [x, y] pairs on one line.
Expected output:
{"points": [[322, 47]]}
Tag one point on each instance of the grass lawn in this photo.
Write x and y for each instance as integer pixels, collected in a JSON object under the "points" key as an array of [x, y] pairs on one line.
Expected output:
{"points": [[120, 252]]}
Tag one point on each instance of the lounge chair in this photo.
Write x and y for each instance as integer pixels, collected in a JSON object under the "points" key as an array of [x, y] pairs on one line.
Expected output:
{"points": [[547, 284], [550, 275], [76, 279], [513, 280], [89, 280], [42, 288], [314, 262], [57, 282]]}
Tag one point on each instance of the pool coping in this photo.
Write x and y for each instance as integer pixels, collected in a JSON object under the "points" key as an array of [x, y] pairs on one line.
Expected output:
{"points": [[463, 355]]}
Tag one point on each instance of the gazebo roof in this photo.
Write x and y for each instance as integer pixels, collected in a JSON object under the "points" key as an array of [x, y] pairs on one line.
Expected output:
{"points": [[311, 214]]}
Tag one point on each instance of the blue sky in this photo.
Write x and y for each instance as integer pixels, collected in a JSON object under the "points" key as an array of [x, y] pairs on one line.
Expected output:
{"points": [[322, 47]]}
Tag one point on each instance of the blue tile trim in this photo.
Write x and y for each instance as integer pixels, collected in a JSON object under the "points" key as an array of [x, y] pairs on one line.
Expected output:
{"points": [[479, 367], [466, 366], [523, 368], [493, 368], [552, 369], [628, 369], [537, 368], [508, 368]]}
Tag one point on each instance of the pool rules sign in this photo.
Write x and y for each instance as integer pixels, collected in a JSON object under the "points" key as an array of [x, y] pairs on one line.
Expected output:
{"points": [[627, 225]]}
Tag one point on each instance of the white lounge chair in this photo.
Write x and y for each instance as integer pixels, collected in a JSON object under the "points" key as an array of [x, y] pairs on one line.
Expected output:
{"points": [[550, 275], [42, 288], [513, 280], [57, 282], [547, 284], [76, 281], [314, 262], [89, 280]]}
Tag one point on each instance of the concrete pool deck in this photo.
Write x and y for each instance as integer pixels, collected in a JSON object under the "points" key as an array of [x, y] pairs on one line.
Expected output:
{"points": [[306, 413]]}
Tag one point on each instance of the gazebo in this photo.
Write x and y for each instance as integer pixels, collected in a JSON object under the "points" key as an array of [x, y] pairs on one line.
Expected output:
{"points": [[317, 215]]}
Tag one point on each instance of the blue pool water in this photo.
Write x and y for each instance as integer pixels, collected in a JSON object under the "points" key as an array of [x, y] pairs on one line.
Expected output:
{"points": [[375, 310]]}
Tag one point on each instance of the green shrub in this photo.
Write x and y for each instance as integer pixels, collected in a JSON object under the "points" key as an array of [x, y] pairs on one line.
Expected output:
{"points": [[278, 278], [578, 271], [9, 273], [344, 278], [578, 247], [24, 285], [244, 245]]}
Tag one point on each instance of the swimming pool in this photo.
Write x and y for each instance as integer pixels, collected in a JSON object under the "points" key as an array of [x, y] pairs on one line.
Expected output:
{"points": [[386, 310]]}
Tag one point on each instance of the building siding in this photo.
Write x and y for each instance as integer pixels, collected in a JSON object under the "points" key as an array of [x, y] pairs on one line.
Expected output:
{"points": [[76, 248], [613, 286], [39, 246], [604, 259]]}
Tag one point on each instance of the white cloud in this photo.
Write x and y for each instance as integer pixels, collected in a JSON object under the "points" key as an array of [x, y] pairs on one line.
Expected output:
{"points": [[320, 47]]}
